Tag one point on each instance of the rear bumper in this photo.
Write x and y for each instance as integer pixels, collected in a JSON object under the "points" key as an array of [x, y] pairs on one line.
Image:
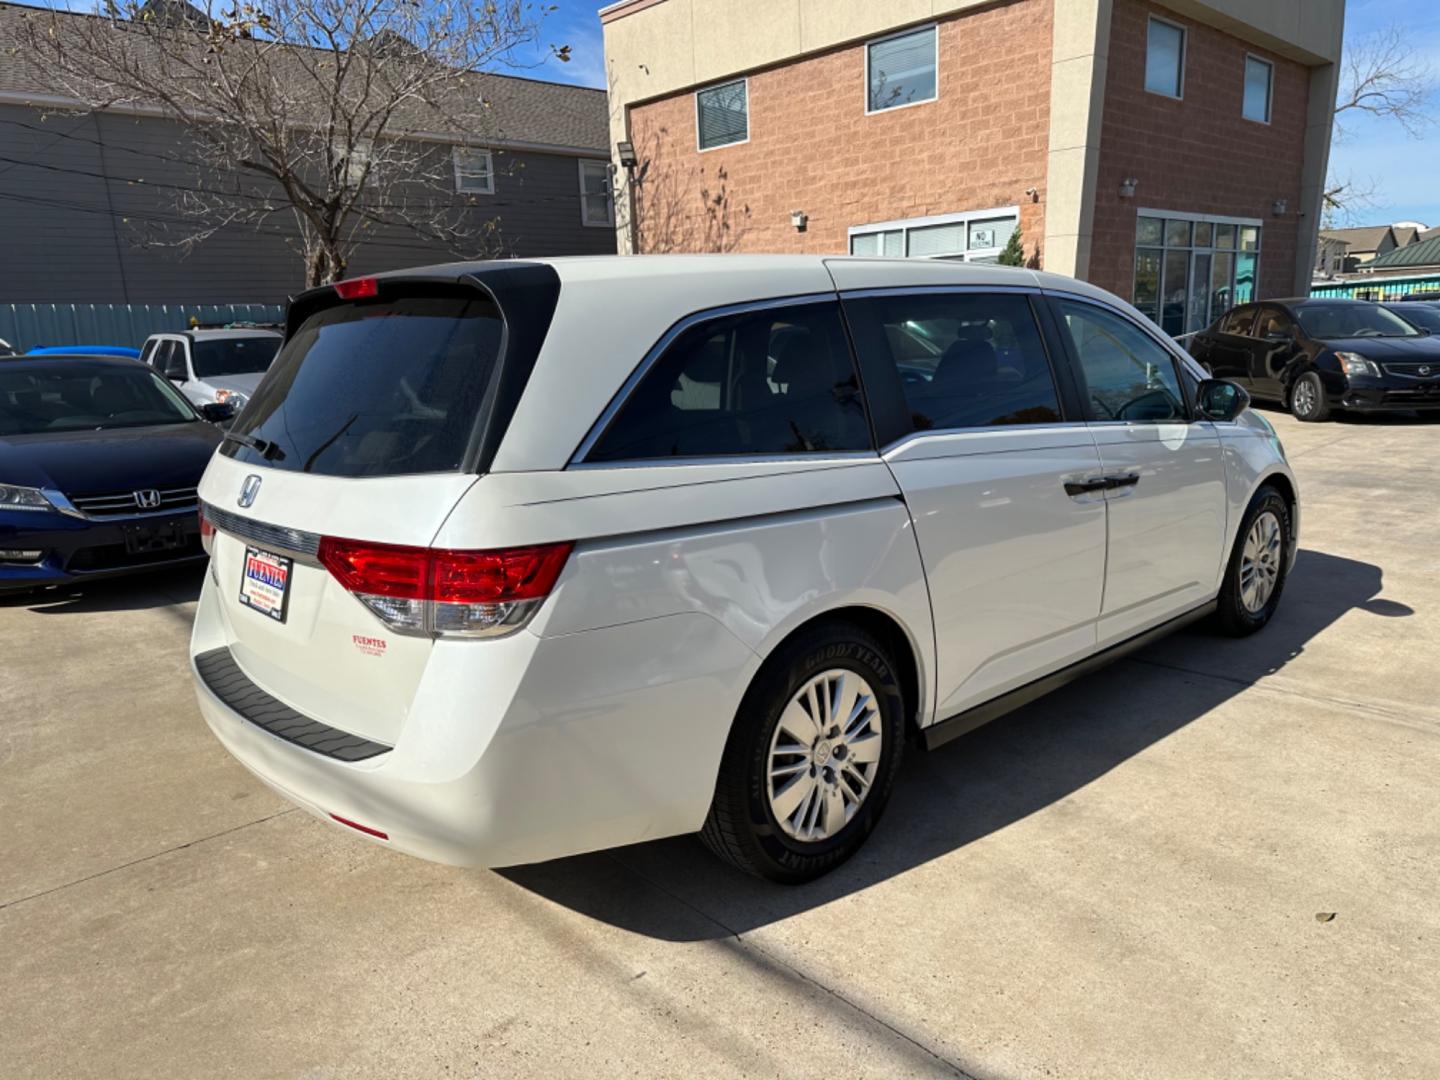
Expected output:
{"points": [[75, 549], [522, 748]]}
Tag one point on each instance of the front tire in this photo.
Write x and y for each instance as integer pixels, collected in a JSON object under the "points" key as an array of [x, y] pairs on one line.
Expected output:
{"points": [[1307, 399], [1255, 575], [811, 758]]}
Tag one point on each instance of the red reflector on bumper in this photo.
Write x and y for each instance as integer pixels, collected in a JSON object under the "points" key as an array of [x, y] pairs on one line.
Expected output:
{"points": [[361, 828]]}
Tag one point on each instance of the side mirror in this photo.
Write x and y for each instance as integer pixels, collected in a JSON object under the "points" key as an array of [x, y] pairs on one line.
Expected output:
{"points": [[1221, 400], [217, 412]]}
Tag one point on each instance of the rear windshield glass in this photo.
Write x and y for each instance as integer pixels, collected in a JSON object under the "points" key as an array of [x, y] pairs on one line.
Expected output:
{"points": [[375, 388], [60, 396], [236, 356]]}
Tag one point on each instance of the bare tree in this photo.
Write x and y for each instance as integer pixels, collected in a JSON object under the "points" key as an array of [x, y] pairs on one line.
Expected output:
{"points": [[337, 117], [1381, 76]]}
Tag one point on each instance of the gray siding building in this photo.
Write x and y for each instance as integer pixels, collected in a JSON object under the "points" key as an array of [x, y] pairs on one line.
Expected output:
{"points": [[88, 208]]}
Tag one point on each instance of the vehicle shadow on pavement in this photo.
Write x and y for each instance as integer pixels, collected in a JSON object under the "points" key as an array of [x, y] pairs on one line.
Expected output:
{"points": [[675, 890], [157, 590]]}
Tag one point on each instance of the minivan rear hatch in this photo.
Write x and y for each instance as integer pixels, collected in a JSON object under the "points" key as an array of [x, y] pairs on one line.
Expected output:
{"points": [[386, 402]]}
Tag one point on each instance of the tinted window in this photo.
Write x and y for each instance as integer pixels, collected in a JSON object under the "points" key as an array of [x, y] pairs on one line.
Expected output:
{"points": [[1344, 320], [965, 359], [1274, 322], [1238, 321], [1128, 374], [769, 382], [235, 356], [377, 388], [60, 396]]}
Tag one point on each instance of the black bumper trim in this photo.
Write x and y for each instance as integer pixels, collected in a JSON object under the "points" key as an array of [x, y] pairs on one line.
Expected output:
{"points": [[233, 687]]}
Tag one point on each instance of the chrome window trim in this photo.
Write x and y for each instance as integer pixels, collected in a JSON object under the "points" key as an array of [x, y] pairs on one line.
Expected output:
{"points": [[841, 458], [1076, 427], [935, 290], [603, 422], [303, 546]]}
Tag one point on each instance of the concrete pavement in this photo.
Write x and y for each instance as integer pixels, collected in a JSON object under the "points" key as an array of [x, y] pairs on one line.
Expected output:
{"points": [[1122, 879]]}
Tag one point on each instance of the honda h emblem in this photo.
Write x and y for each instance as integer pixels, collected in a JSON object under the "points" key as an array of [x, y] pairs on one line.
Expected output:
{"points": [[249, 490], [148, 499]]}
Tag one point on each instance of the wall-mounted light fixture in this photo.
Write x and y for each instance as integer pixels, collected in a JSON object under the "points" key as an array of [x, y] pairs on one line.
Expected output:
{"points": [[1127, 187], [1033, 194], [1279, 206], [799, 220], [626, 152]]}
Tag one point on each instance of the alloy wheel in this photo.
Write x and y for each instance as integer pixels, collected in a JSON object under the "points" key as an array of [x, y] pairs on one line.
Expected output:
{"points": [[1305, 398], [1260, 562], [824, 755]]}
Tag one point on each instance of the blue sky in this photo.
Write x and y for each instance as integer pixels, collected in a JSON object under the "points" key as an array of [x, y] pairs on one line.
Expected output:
{"points": [[1378, 153]]}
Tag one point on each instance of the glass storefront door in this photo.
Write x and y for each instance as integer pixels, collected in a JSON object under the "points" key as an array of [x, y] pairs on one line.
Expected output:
{"points": [[1191, 268]]}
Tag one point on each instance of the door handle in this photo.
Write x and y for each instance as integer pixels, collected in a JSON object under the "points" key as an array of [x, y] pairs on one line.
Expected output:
{"points": [[1075, 488], [1123, 480]]}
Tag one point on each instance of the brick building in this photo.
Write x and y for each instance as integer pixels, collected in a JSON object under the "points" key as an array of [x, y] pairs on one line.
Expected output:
{"points": [[1173, 154]]}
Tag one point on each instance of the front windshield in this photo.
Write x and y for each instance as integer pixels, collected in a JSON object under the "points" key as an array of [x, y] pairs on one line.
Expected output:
{"points": [[1421, 315], [59, 395], [233, 356], [1322, 321]]}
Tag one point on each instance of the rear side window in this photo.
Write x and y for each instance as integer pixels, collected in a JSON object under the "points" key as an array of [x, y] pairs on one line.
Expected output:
{"points": [[377, 388], [1128, 374], [779, 381], [1238, 322], [965, 360]]}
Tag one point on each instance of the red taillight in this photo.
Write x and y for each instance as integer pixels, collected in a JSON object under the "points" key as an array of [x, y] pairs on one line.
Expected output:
{"points": [[377, 569], [497, 577], [361, 828], [450, 593], [207, 530], [357, 288]]}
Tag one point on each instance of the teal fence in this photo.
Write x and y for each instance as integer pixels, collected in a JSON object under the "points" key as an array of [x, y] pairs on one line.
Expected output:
{"points": [[1376, 287], [25, 326]]}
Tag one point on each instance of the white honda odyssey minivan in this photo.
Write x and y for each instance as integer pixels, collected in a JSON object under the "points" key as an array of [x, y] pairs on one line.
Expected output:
{"points": [[514, 560]]}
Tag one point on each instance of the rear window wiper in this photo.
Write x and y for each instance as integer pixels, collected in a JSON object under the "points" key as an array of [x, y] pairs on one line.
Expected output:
{"points": [[264, 447]]}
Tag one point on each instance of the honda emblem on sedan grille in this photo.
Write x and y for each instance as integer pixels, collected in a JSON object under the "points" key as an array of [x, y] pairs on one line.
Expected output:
{"points": [[1424, 369], [249, 490], [147, 499]]}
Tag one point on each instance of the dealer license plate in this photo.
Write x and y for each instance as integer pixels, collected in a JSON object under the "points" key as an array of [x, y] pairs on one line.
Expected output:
{"points": [[265, 582]]}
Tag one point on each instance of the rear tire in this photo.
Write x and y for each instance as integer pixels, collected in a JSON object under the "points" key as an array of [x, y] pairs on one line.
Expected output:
{"points": [[797, 797], [1255, 575], [1307, 399]]}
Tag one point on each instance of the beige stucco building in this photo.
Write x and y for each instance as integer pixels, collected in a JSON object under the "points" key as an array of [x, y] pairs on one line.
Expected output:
{"points": [[1174, 153]]}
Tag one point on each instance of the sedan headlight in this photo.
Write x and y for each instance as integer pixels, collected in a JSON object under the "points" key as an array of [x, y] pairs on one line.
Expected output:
{"points": [[234, 397], [1355, 364], [23, 498]]}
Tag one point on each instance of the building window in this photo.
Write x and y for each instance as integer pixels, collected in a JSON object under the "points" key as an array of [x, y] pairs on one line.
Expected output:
{"points": [[1259, 79], [597, 203], [975, 236], [1191, 268], [902, 70], [474, 171], [1165, 58], [722, 115]]}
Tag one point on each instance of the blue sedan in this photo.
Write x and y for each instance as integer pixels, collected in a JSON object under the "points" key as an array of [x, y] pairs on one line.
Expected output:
{"points": [[99, 462]]}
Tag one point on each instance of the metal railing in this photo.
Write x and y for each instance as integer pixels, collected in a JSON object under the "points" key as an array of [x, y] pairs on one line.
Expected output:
{"points": [[26, 326]]}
